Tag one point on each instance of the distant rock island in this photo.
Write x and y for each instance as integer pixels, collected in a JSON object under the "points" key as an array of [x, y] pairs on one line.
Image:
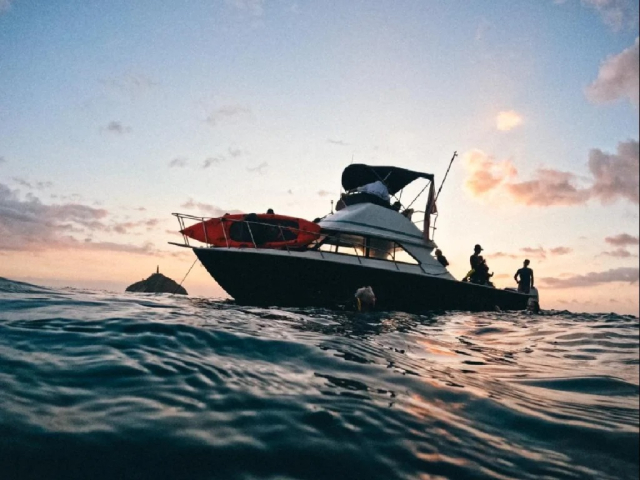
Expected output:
{"points": [[157, 283]]}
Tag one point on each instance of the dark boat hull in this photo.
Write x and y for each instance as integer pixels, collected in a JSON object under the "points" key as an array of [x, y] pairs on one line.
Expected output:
{"points": [[253, 277]]}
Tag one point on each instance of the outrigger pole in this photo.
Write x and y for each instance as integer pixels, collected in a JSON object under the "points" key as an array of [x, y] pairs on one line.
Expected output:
{"points": [[455, 154]]}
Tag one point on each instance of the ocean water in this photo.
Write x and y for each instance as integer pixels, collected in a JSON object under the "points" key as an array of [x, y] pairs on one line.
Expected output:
{"points": [[98, 385]]}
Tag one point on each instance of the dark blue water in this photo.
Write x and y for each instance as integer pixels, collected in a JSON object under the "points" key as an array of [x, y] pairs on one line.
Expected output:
{"points": [[97, 385]]}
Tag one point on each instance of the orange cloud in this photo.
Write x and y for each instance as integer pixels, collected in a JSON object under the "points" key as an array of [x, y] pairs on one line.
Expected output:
{"points": [[614, 176], [485, 173], [508, 120]]}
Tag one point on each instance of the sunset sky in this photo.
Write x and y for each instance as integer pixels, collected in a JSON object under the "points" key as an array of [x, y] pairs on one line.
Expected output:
{"points": [[114, 114]]}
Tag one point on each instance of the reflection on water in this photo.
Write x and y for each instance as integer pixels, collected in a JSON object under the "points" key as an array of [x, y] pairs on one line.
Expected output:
{"points": [[98, 385]]}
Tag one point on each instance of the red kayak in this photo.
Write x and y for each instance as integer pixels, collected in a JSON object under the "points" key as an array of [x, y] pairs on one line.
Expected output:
{"points": [[252, 230]]}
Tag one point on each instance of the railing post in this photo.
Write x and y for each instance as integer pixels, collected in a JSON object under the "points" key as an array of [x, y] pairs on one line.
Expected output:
{"points": [[226, 240], [251, 233], [204, 228]]}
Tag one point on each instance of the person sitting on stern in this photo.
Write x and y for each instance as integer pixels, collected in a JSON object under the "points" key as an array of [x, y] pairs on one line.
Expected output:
{"points": [[441, 258]]}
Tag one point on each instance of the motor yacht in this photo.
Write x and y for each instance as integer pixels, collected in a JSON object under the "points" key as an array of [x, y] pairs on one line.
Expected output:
{"points": [[367, 241]]}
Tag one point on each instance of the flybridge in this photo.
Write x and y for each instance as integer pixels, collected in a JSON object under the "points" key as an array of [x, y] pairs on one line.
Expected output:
{"points": [[395, 179], [358, 175]]}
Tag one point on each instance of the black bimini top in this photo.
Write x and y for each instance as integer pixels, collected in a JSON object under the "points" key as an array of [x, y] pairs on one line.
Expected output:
{"points": [[358, 174]]}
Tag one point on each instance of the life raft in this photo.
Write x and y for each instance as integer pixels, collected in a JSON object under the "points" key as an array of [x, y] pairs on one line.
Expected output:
{"points": [[263, 230]]}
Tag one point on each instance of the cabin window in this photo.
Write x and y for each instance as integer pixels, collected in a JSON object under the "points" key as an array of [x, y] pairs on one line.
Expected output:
{"points": [[366, 247], [345, 244], [401, 255]]}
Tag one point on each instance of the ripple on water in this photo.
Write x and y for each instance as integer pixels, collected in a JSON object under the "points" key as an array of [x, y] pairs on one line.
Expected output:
{"points": [[99, 385]]}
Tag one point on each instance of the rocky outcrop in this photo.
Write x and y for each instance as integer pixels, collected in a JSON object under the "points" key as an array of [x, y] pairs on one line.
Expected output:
{"points": [[157, 283]]}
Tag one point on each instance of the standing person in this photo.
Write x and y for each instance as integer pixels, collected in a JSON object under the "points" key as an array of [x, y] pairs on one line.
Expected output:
{"points": [[441, 258], [525, 282], [476, 258]]}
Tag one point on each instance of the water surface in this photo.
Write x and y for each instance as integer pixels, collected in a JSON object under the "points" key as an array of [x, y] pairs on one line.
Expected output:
{"points": [[97, 385]]}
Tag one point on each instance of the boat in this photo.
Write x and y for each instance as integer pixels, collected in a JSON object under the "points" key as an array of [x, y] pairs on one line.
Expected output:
{"points": [[366, 241], [264, 230]]}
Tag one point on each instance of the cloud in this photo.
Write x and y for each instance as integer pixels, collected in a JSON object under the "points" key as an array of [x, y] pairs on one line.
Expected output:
{"points": [[2, 159], [178, 162], [485, 174], [209, 209], [117, 128], [616, 14], [508, 120], [259, 169], [236, 152], [212, 161], [30, 225], [337, 142], [538, 252], [503, 255], [561, 251], [625, 274], [617, 78], [622, 240], [534, 252], [254, 8], [227, 113], [619, 253], [37, 185], [614, 176], [550, 187], [127, 227]]}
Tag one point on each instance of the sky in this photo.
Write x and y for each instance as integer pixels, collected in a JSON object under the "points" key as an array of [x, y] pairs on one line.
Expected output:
{"points": [[114, 115]]}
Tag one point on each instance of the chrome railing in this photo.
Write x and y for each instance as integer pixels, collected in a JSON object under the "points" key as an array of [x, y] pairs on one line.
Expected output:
{"points": [[324, 239]]}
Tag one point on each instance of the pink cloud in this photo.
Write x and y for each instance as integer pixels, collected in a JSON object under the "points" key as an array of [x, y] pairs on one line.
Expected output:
{"points": [[617, 78], [551, 187], [619, 253], [625, 274], [622, 239], [614, 176], [561, 250], [535, 252], [30, 225]]}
